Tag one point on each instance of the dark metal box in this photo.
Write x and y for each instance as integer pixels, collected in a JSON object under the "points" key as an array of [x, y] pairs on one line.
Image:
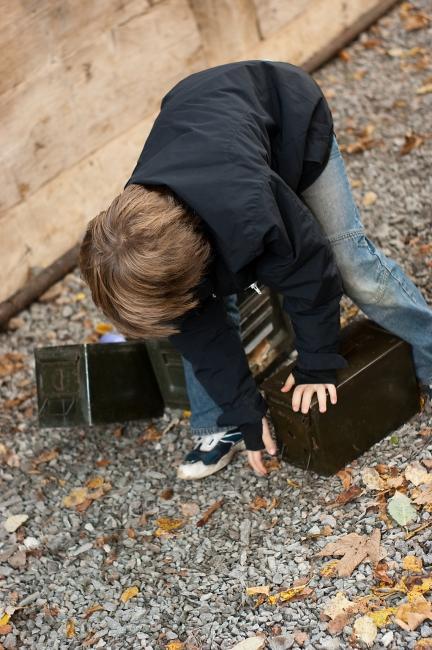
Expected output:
{"points": [[376, 394], [262, 321], [95, 383]]}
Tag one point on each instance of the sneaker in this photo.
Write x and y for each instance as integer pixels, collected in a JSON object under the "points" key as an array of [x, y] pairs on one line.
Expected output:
{"points": [[211, 453]]}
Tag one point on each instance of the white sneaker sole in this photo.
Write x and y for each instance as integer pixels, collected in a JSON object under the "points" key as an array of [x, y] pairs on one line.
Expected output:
{"points": [[192, 471]]}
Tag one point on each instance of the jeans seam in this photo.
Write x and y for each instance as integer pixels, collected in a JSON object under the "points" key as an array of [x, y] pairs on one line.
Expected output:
{"points": [[350, 234], [202, 431]]}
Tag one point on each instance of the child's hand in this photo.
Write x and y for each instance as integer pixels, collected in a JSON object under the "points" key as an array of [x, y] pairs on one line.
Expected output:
{"points": [[255, 457], [303, 394]]}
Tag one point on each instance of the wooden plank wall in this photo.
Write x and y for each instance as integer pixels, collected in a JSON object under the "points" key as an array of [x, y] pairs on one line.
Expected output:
{"points": [[81, 83]]}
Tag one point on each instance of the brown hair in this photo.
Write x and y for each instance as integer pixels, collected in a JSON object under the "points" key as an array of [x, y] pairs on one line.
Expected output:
{"points": [[142, 259]]}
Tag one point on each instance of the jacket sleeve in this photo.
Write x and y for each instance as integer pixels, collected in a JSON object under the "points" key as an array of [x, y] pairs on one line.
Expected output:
{"points": [[212, 344], [297, 261]]}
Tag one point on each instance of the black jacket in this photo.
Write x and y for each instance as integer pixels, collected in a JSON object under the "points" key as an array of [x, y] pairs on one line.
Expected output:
{"points": [[238, 143]]}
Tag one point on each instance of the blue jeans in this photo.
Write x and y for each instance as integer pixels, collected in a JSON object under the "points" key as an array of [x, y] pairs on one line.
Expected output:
{"points": [[374, 282]]}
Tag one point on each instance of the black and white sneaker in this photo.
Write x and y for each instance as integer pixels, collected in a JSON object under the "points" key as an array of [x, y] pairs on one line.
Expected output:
{"points": [[211, 453]]}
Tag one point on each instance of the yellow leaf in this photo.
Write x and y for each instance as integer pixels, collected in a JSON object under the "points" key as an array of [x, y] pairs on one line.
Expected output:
{"points": [[292, 483], [186, 413], [70, 628], [413, 563], [129, 593], [95, 482], [4, 619], [166, 525], [330, 569], [381, 616], [91, 610], [175, 645], [79, 296], [264, 589], [288, 594], [424, 90], [76, 497], [369, 199], [103, 328]]}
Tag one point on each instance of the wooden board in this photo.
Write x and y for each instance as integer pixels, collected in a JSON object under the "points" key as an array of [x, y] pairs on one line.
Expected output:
{"points": [[81, 85]]}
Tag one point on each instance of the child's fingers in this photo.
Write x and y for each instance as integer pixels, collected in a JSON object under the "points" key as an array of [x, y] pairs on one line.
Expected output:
{"points": [[268, 441], [332, 392], [288, 384], [255, 461]]}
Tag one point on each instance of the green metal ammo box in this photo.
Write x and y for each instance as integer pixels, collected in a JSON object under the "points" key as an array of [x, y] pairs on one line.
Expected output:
{"points": [[376, 394], [95, 383], [262, 320]]}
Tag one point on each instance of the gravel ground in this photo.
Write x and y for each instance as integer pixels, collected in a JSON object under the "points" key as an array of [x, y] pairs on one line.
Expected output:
{"points": [[191, 582]]}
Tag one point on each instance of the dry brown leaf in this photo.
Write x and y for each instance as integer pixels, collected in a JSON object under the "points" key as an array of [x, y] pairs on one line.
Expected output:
{"points": [[209, 512], [354, 549], [423, 644], [372, 479], [427, 462], [167, 494], [424, 90], [8, 457], [45, 456], [417, 474], [103, 462], [129, 593], [91, 610], [70, 628], [167, 525], [259, 503], [416, 20], [175, 644], [412, 141], [411, 614], [10, 363], [300, 637], [345, 476], [346, 496], [151, 434], [272, 464], [380, 574]]}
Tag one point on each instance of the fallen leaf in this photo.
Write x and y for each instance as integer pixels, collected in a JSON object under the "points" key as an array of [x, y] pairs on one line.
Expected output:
{"points": [[412, 563], [91, 610], [103, 328], [381, 575], [77, 496], [417, 474], [345, 476], [401, 509], [300, 637], [70, 628], [209, 512], [423, 644], [252, 591], [45, 457], [365, 630], [369, 199], [416, 20], [346, 496], [423, 496], [5, 629], [338, 605], [167, 525], [259, 503], [10, 363], [410, 615], [8, 457], [424, 90], [13, 522], [330, 569], [151, 434], [372, 479], [129, 593], [412, 141], [95, 482], [289, 594], [354, 549], [381, 617], [272, 464], [176, 644]]}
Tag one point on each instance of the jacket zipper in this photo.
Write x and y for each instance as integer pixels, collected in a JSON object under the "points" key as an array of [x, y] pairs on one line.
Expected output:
{"points": [[255, 287]]}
